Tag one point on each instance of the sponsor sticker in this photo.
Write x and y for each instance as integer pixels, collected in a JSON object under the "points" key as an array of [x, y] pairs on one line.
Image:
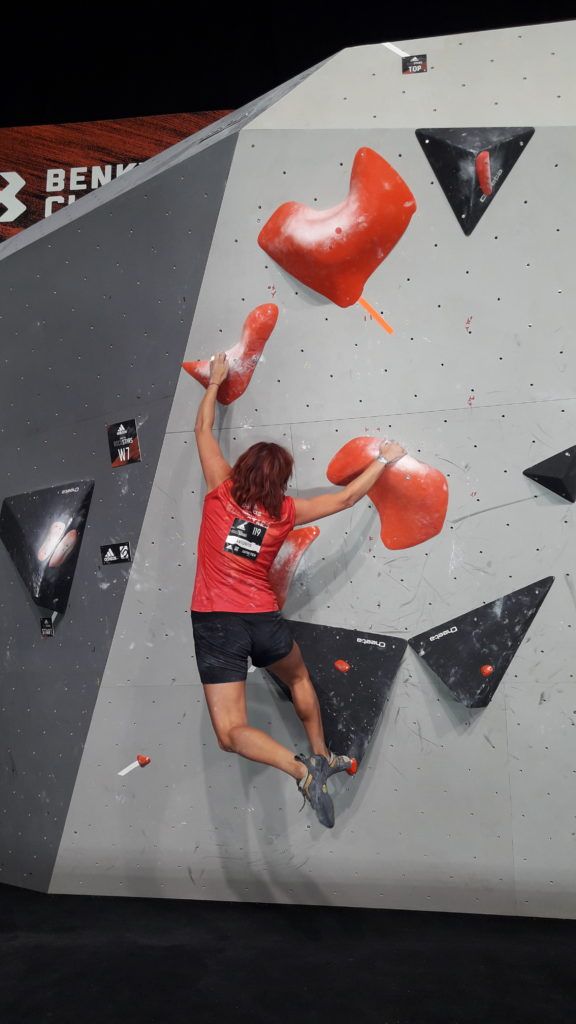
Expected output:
{"points": [[113, 553], [124, 443]]}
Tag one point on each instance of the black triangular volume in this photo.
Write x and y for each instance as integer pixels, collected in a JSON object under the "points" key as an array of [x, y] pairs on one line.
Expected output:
{"points": [[352, 674], [470, 654], [42, 532], [472, 164], [558, 473]]}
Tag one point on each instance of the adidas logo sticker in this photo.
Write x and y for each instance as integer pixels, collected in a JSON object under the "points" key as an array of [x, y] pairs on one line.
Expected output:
{"points": [[109, 556], [121, 430]]}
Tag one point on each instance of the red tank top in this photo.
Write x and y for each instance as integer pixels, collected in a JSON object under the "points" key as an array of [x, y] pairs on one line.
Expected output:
{"points": [[235, 551]]}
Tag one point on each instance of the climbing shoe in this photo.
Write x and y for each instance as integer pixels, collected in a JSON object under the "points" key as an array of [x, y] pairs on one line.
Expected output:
{"points": [[314, 789], [342, 763]]}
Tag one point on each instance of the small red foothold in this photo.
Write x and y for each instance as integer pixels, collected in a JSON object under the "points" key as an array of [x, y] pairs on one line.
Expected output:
{"points": [[342, 665], [486, 670], [353, 767], [143, 760]]}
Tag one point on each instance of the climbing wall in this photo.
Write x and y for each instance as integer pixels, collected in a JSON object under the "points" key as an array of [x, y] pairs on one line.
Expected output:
{"points": [[461, 350]]}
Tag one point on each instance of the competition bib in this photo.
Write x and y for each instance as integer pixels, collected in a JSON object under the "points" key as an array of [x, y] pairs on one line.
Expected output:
{"points": [[245, 539]]}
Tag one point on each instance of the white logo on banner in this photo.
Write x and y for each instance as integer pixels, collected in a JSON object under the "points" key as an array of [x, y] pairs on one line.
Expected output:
{"points": [[124, 551], [13, 206], [121, 429], [109, 556]]}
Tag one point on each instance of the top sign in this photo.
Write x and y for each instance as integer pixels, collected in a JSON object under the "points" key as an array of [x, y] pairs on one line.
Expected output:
{"points": [[414, 65]]}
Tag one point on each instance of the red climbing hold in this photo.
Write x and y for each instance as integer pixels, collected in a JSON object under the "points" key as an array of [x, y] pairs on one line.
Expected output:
{"points": [[143, 760], [243, 357], [342, 665], [410, 497], [355, 456], [483, 172], [353, 767], [286, 562], [335, 251], [486, 670]]}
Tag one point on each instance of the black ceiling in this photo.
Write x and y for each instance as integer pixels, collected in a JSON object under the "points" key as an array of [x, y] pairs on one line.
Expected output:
{"points": [[162, 60]]}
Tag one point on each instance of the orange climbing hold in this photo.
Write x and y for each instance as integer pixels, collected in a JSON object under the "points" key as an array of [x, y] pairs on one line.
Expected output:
{"points": [[335, 251], [483, 172], [243, 357], [410, 497], [143, 760], [375, 315], [486, 670], [287, 560]]}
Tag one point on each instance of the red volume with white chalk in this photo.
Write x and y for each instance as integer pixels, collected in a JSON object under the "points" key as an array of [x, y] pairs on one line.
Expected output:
{"points": [[284, 566], [242, 358]]}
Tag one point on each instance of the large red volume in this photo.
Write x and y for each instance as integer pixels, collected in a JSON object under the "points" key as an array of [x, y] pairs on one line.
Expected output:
{"points": [[243, 357], [286, 562], [410, 497], [335, 251]]}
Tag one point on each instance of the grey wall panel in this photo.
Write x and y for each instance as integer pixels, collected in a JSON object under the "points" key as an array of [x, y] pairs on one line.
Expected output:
{"points": [[469, 314], [70, 304], [453, 809], [510, 76], [94, 324], [199, 824], [542, 772]]}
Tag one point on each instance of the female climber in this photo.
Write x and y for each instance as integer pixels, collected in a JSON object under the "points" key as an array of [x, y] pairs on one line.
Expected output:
{"points": [[235, 615]]}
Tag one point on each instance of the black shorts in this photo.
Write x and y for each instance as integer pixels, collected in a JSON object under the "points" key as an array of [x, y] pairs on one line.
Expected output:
{"points": [[225, 640]]}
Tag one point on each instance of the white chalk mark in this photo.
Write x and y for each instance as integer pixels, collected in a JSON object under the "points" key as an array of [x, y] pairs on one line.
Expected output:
{"points": [[492, 508], [422, 738], [395, 49], [569, 583], [419, 412]]}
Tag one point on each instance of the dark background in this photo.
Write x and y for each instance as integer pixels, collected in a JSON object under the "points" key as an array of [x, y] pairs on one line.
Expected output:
{"points": [[161, 59]]}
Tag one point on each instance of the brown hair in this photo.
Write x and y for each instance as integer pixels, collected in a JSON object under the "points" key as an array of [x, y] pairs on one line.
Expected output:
{"points": [[260, 477]]}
